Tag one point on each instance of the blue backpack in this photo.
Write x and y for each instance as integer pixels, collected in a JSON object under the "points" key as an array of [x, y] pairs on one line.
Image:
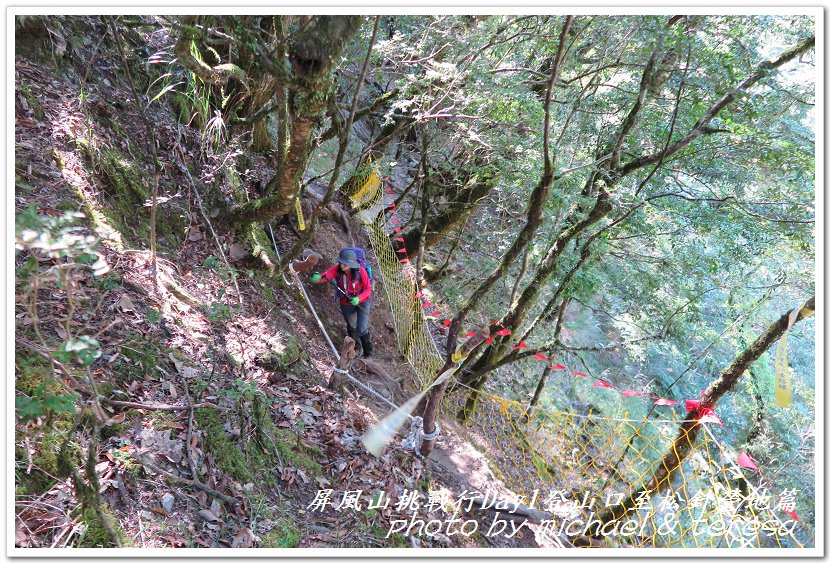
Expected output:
{"points": [[360, 254]]}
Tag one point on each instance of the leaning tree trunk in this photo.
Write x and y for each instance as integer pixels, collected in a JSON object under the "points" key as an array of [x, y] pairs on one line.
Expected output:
{"points": [[690, 427], [599, 184], [560, 319], [433, 401], [543, 379], [478, 373], [535, 206], [615, 171]]}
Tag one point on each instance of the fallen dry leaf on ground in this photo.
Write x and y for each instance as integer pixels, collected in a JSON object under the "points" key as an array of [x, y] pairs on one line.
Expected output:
{"points": [[126, 304], [208, 516]]}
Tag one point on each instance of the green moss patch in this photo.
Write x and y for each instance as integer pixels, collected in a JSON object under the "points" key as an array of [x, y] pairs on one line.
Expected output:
{"points": [[259, 243], [95, 534], [126, 189], [296, 454], [139, 359], [45, 465], [32, 372], [33, 102], [255, 458], [287, 356], [31, 39], [285, 533], [229, 458]]}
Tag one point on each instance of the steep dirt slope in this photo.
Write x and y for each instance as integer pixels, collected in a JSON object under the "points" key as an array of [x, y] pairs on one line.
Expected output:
{"points": [[205, 417]]}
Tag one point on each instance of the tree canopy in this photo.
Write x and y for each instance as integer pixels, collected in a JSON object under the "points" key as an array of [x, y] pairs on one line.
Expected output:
{"points": [[631, 197]]}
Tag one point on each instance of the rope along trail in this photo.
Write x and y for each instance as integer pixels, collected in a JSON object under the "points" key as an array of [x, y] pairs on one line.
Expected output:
{"points": [[416, 435]]}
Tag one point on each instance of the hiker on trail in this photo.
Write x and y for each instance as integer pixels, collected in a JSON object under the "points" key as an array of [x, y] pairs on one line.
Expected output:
{"points": [[354, 288]]}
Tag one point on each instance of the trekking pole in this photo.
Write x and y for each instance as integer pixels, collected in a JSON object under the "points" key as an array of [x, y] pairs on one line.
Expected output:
{"points": [[346, 295]]}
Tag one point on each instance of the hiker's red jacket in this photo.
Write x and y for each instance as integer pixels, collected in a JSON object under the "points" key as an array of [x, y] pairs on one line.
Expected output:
{"points": [[360, 286]]}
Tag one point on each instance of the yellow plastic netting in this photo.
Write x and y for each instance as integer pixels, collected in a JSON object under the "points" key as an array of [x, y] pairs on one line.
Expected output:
{"points": [[411, 328], [367, 186], [568, 460]]}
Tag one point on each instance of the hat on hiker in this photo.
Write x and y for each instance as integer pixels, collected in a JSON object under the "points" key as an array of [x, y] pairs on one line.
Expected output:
{"points": [[349, 258]]}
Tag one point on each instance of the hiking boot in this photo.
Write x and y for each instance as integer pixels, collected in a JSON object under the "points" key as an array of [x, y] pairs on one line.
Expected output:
{"points": [[367, 345]]}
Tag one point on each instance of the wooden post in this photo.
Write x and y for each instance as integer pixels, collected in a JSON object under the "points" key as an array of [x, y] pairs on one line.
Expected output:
{"points": [[437, 393], [347, 355]]}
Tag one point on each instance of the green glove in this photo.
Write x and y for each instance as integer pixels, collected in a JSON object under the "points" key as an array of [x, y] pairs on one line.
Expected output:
{"points": [[354, 301], [315, 277]]}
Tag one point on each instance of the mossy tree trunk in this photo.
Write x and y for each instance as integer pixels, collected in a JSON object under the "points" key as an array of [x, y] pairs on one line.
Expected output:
{"points": [[535, 207], [261, 138], [312, 55], [519, 308], [213, 75], [543, 379]]}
